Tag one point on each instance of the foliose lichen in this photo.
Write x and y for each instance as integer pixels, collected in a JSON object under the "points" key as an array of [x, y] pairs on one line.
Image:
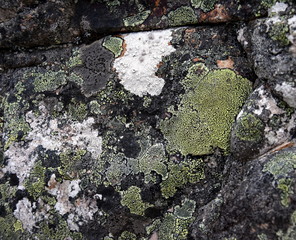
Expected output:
{"points": [[114, 44], [205, 5], [137, 19], [133, 200], [182, 16], [206, 112]]}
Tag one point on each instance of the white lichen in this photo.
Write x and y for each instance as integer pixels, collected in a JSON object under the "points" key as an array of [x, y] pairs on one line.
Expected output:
{"points": [[137, 67], [57, 134], [277, 8]]}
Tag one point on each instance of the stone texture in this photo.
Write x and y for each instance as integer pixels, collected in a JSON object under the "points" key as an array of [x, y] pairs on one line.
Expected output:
{"points": [[109, 131]]}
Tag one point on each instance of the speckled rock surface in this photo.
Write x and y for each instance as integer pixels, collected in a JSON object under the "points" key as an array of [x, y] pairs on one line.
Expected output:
{"points": [[109, 131]]}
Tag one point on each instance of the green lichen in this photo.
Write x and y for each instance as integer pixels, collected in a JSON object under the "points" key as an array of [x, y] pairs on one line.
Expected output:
{"points": [[205, 5], [153, 160], [137, 19], [189, 171], [175, 225], [70, 162], [181, 16], [15, 126], [114, 44], [35, 183], [94, 107], [127, 236], [8, 230], [249, 128], [61, 231], [18, 226], [48, 81], [278, 32], [75, 59], [133, 200], [77, 110], [262, 236], [290, 234], [281, 166], [206, 113]]}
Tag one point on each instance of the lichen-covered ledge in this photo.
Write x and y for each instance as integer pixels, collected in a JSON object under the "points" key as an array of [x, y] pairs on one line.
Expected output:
{"points": [[88, 147], [30, 23]]}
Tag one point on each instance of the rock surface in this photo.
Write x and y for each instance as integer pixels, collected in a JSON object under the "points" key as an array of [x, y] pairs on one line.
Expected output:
{"points": [[185, 131]]}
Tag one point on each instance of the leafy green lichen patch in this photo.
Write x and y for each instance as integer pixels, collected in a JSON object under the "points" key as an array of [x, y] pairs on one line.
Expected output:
{"points": [[181, 16], [205, 5], [189, 171], [206, 113], [137, 19], [132, 199], [114, 44], [281, 166]]}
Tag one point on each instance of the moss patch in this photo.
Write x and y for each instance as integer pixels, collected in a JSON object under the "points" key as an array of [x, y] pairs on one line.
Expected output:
{"points": [[206, 112]]}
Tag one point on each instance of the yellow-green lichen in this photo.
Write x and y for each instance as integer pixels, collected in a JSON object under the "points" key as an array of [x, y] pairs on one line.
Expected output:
{"points": [[35, 183], [127, 236], [175, 225], [15, 126], [77, 110], [18, 226], [137, 19], [280, 166], [278, 31], [206, 113], [132, 199], [205, 5], [249, 128], [8, 231], [48, 81], [290, 234], [114, 44], [181, 16], [75, 59], [189, 171]]}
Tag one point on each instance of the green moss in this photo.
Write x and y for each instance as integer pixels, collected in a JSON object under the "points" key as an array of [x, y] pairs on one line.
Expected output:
{"points": [[137, 19], [132, 199], [205, 5], [191, 171], [249, 128], [48, 81], [35, 183], [114, 44], [206, 113], [127, 236], [290, 234], [181, 16], [278, 32], [281, 166]]}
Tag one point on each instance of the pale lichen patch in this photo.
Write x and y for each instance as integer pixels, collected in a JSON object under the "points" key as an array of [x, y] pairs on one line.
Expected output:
{"points": [[137, 67], [289, 93]]}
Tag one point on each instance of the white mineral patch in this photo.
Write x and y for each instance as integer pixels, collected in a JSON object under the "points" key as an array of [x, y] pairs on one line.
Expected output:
{"points": [[137, 67], [53, 134], [288, 93]]}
